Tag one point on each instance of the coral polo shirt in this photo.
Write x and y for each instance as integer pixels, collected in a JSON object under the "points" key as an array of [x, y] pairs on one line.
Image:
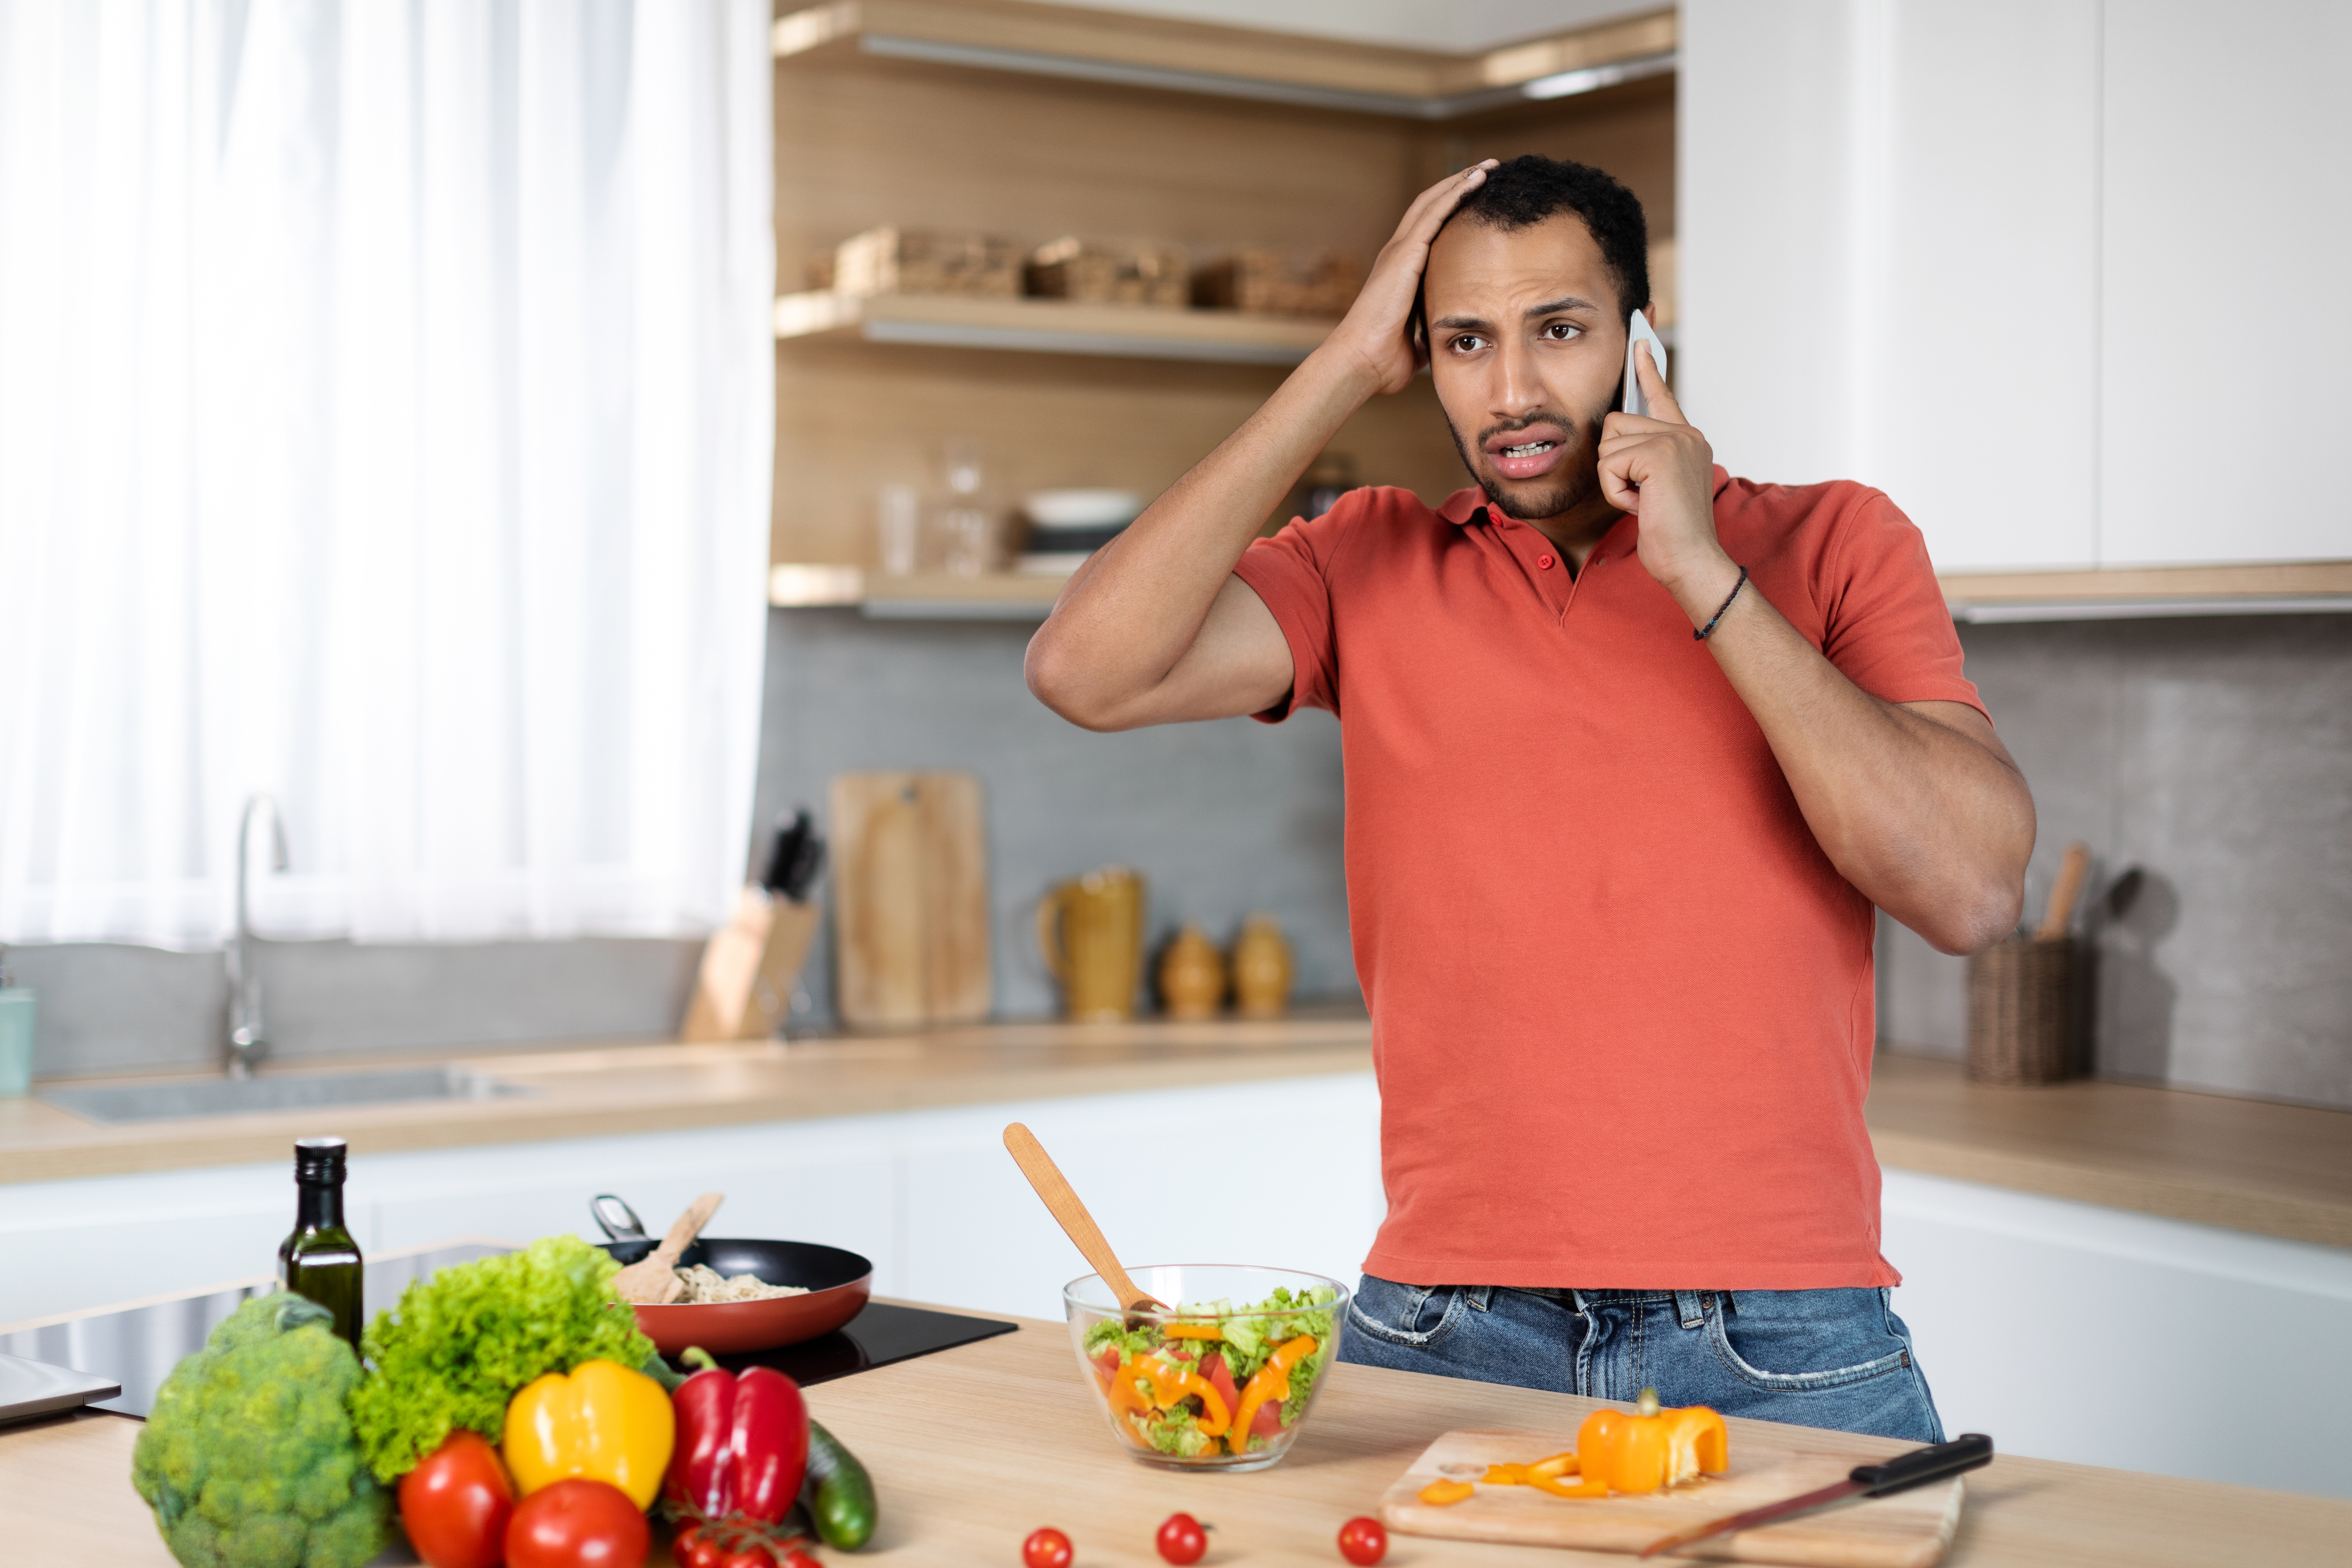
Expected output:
{"points": [[1621, 1000]]}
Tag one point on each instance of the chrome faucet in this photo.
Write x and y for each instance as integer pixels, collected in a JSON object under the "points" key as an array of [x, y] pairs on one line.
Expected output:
{"points": [[247, 1038]]}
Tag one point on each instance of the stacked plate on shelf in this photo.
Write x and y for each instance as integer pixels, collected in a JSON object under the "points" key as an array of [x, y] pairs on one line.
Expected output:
{"points": [[1068, 526]]}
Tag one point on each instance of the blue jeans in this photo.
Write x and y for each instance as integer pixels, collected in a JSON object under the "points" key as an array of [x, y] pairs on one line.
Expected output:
{"points": [[1837, 1358]]}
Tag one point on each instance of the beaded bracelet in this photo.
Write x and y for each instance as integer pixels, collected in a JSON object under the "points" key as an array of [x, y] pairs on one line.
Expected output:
{"points": [[1702, 634]]}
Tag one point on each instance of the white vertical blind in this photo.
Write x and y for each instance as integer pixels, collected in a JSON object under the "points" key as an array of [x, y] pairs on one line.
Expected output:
{"points": [[385, 408]]}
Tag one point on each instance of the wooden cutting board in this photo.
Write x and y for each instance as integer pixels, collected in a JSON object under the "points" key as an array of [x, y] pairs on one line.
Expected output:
{"points": [[910, 894], [1909, 1530]]}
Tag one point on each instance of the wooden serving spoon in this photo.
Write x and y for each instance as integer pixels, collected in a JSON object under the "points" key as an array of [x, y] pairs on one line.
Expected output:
{"points": [[653, 1281], [1077, 1223]]}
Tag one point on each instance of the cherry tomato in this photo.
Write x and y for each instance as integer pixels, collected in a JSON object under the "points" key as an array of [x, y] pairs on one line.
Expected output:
{"points": [[577, 1523], [1182, 1539], [455, 1504], [796, 1558], [1364, 1542], [751, 1554], [689, 1548], [1047, 1548]]}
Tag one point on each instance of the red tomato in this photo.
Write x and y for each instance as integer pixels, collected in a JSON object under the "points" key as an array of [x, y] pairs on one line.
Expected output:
{"points": [[1108, 1360], [577, 1523], [751, 1554], [1364, 1542], [1269, 1419], [1182, 1539], [1219, 1376], [695, 1549], [796, 1558], [1046, 1548], [455, 1505]]}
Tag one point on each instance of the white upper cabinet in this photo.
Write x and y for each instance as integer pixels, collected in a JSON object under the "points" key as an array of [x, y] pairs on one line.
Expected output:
{"points": [[2007, 259], [2228, 246]]}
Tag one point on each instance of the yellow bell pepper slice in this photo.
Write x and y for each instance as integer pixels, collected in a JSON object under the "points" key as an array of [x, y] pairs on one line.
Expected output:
{"points": [[1192, 1328], [602, 1422], [1271, 1381], [1442, 1493]]}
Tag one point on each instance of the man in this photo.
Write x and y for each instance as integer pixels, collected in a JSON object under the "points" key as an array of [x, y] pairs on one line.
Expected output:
{"points": [[1632, 748]]}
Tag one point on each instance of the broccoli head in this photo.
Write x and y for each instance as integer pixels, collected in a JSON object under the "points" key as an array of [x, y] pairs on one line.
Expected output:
{"points": [[248, 1458]]}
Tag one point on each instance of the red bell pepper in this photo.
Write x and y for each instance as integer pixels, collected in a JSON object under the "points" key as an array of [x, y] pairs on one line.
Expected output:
{"points": [[742, 1444]]}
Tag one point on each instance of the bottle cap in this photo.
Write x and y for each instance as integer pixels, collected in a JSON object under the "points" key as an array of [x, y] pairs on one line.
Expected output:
{"points": [[318, 1159]]}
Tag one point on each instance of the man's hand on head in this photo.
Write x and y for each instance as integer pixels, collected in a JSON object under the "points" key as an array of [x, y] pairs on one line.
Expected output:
{"points": [[1378, 330], [1661, 469]]}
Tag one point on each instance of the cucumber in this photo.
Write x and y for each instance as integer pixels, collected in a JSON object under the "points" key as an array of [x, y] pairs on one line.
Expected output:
{"points": [[838, 1493]]}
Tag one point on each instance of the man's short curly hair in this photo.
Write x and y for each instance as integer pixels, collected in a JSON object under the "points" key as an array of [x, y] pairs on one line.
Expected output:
{"points": [[1530, 189]]}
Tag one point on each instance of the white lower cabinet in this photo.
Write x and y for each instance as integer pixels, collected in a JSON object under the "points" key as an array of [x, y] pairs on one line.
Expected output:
{"points": [[1283, 1172], [2072, 1332], [2066, 1331]]}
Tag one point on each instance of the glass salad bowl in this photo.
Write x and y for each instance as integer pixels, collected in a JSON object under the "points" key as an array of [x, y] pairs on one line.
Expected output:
{"points": [[1221, 1381]]}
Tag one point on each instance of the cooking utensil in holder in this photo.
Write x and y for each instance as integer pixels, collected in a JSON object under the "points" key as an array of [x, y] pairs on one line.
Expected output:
{"points": [[2021, 992], [2020, 1010]]}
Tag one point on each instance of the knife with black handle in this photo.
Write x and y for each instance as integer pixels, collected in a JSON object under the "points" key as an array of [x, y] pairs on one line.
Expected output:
{"points": [[1901, 1473]]}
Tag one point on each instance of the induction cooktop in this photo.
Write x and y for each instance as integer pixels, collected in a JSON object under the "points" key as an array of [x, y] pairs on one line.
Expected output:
{"points": [[879, 1335]]}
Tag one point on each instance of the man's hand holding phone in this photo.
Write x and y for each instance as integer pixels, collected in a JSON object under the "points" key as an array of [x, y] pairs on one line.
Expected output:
{"points": [[1658, 467], [1378, 330]]}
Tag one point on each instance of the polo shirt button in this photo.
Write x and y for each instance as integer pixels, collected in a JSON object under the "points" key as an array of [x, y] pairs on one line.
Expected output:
{"points": [[1544, 561]]}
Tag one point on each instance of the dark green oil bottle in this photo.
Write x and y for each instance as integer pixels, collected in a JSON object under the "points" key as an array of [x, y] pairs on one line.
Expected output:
{"points": [[321, 1260]]}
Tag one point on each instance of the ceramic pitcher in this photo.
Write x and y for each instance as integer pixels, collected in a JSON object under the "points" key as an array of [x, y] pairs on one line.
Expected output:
{"points": [[1091, 933]]}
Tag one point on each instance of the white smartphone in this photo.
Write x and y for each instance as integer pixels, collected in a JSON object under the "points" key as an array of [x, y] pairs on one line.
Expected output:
{"points": [[1637, 330]]}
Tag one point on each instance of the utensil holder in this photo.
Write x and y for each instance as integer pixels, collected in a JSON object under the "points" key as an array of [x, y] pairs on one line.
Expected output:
{"points": [[2020, 1010]]}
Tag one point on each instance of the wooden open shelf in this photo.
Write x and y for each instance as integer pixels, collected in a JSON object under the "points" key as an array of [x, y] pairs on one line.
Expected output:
{"points": [[2117, 594], [1050, 326], [1127, 50]]}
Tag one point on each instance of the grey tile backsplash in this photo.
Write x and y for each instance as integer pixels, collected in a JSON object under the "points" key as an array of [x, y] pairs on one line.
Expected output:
{"points": [[2212, 755]]}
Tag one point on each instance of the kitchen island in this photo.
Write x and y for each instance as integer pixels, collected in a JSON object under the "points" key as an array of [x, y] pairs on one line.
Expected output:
{"points": [[973, 1448], [2051, 1240]]}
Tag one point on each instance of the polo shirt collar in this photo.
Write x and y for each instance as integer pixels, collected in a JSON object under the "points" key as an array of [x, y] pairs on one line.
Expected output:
{"points": [[1462, 507]]}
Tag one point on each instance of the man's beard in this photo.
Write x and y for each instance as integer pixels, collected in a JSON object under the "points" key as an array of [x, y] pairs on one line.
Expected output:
{"points": [[1575, 481]]}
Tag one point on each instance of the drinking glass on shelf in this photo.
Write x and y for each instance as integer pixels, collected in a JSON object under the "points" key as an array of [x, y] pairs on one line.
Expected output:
{"points": [[969, 539], [896, 518], [967, 536]]}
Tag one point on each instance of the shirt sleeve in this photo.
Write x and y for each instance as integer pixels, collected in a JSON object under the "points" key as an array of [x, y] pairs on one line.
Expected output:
{"points": [[1288, 572], [1888, 628]]}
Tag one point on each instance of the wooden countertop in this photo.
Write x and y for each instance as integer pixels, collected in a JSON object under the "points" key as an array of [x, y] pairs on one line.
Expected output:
{"points": [[66, 1497], [2248, 1165]]}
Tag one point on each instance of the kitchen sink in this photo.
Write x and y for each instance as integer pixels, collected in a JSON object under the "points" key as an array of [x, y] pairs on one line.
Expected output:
{"points": [[300, 1092]]}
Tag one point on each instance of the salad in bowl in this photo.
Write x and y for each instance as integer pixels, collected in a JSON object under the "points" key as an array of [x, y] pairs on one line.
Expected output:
{"points": [[1222, 1378]]}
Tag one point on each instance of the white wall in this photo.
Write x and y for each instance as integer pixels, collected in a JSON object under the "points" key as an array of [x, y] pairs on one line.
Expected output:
{"points": [[2023, 265]]}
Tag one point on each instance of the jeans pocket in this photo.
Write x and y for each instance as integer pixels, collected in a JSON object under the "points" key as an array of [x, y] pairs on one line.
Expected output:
{"points": [[1796, 1342], [1417, 1316]]}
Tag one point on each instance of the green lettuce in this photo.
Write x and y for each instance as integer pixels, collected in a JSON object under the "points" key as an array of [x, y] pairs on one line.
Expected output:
{"points": [[459, 1345]]}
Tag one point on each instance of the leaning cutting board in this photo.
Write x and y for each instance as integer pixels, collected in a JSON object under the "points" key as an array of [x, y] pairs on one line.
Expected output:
{"points": [[911, 897], [1909, 1530]]}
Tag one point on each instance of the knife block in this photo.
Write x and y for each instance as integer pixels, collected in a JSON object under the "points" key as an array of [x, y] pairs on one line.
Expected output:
{"points": [[2022, 1010], [749, 969]]}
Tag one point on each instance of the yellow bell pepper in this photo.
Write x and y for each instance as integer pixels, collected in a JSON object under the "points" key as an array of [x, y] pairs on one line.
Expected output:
{"points": [[1271, 1381], [1444, 1493], [602, 1422], [1645, 1450]]}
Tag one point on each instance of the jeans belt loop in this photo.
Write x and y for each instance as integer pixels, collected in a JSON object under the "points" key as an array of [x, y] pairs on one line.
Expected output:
{"points": [[1688, 1306]]}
